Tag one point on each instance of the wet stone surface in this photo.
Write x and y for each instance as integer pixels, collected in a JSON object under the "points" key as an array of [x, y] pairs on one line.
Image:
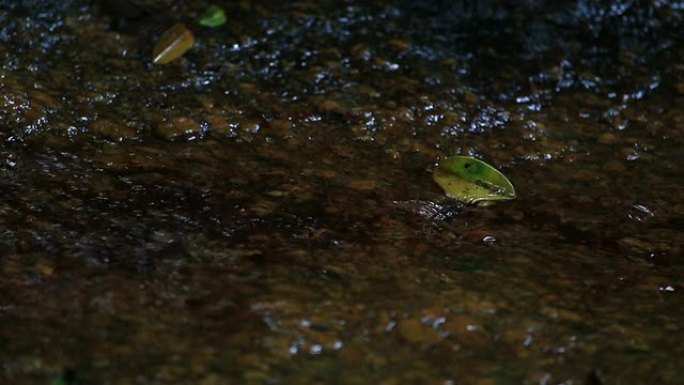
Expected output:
{"points": [[261, 211]]}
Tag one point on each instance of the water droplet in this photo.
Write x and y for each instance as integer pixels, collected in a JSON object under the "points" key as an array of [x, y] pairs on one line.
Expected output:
{"points": [[316, 349], [489, 240]]}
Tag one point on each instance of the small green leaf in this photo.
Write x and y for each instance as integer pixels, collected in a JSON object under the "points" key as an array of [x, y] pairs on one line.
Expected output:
{"points": [[472, 181], [213, 17]]}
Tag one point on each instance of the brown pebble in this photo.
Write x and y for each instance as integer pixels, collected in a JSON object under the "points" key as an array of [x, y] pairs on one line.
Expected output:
{"points": [[635, 244], [330, 106], [477, 236], [250, 127], [263, 207], [413, 331], [108, 129], [363, 184], [248, 88], [282, 126], [614, 166], [399, 44], [217, 123], [177, 127], [470, 98], [608, 138], [404, 114], [680, 87], [466, 330], [42, 99]]}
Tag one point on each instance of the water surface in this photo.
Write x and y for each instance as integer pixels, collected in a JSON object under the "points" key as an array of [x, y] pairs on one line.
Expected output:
{"points": [[262, 211]]}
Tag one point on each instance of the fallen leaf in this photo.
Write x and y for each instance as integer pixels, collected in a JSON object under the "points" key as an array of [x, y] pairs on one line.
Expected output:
{"points": [[472, 181], [172, 44], [213, 17]]}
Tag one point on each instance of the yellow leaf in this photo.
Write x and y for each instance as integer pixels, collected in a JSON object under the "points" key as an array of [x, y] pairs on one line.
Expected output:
{"points": [[172, 44]]}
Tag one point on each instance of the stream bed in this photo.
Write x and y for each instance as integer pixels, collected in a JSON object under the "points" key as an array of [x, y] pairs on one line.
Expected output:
{"points": [[262, 210]]}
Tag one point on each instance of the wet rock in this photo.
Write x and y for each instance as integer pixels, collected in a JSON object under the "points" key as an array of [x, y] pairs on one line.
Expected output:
{"points": [[263, 207], [249, 89], [281, 126], [318, 209], [43, 100], [250, 127], [636, 245], [211, 379], [217, 123], [608, 138], [109, 129], [330, 106], [363, 184], [484, 237], [466, 331], [470, 98], [399, 44], [415, 332], [614, 167], [680, 88], [40, 5], [556, 313], [178, 127], [255, 377], [375, 361]]}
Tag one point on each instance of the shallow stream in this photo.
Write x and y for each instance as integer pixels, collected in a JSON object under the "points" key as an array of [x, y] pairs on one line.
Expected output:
{"points": [[262, 211]]}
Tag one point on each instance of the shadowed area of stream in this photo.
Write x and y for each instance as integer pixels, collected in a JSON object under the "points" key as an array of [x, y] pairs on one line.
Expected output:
{"points": [[262, 211]]}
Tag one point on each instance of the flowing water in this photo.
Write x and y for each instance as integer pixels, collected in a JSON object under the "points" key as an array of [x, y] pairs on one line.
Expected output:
{"points": [[262, 210]]}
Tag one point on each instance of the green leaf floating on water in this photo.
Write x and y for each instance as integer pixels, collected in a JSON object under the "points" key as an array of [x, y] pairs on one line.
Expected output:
{"points": [[213, 17], [472, 181]]}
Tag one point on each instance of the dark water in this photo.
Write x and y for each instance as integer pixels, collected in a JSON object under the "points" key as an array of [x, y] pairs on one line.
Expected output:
{"points": [[262, 210]]}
